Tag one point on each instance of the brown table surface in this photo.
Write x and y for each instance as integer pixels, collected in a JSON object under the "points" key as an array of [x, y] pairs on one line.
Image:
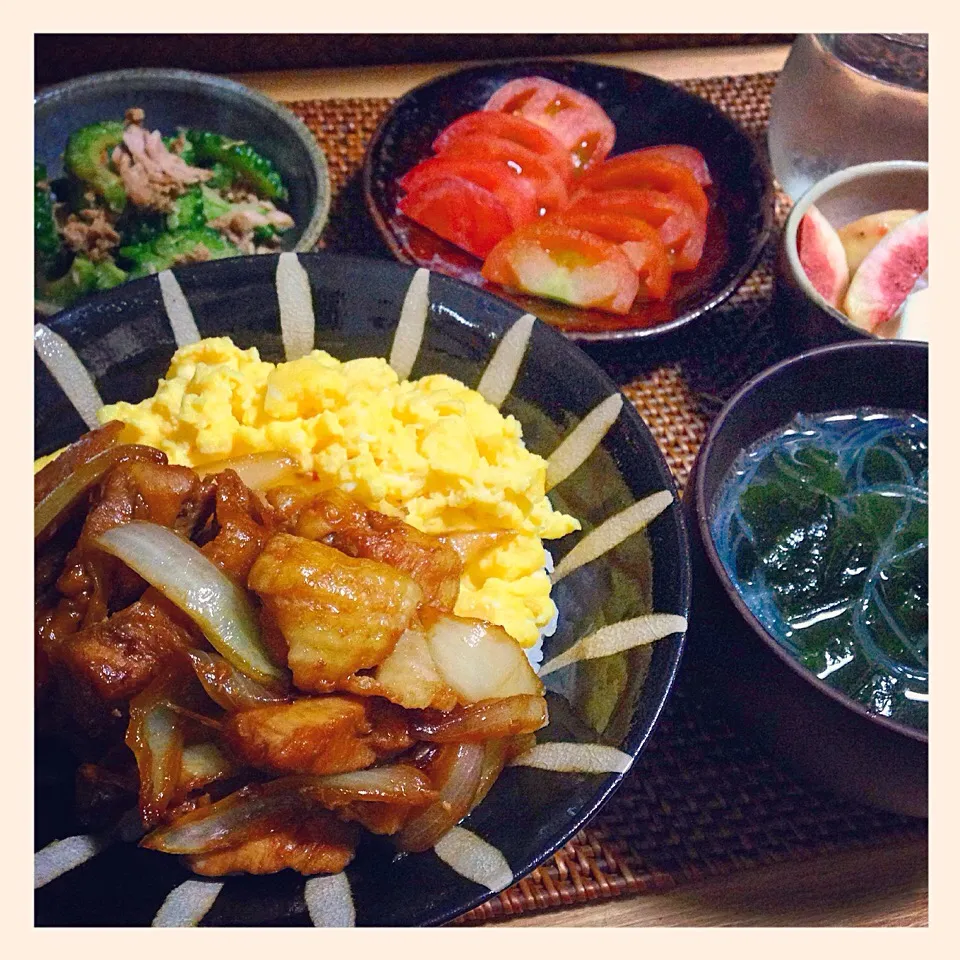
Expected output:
{"points": [[882, 887]]}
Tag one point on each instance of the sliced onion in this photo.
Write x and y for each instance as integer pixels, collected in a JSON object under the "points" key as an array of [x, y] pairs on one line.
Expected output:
{"points": [[226, 823], [155, 735], [212, 722], [258, 471], [50, 511], [396, 783], [52, 470], [480, 661], [237, 817], [228, 687], [495, 754], [208, 596], [486, 720], [457, 769], [204, 763]]}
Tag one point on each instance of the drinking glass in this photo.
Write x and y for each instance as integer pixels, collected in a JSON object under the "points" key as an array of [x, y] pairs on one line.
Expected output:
{"points": [[844, 99]]}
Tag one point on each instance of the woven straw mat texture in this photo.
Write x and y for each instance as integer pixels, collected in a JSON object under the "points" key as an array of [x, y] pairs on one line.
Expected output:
{"points": [[702, 800]]}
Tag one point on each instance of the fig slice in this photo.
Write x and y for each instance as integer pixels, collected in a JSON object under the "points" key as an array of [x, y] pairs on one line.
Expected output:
{"points": [[915, 322], [861, 236], [888, 274], [822, 256]]}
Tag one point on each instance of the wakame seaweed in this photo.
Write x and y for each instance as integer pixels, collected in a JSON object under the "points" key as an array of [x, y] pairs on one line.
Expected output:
{"points": [[823, 526]]}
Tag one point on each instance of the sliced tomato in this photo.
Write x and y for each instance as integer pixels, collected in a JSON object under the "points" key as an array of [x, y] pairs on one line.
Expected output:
{"points": [[552, 260], [508, 126], [689, 157], [518, 195], [673, 219], [639, 241], [588, 136], [577, 121], [680, 229], [460, 211], [640, 171], [548, 183], [688, 256]]}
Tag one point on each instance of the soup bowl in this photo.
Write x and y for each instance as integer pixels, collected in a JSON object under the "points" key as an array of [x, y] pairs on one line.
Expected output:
{"points": [[824, 735]]}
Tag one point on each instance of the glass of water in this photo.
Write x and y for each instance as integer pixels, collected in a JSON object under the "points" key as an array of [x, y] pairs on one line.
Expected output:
{"points": [[844, 99]]}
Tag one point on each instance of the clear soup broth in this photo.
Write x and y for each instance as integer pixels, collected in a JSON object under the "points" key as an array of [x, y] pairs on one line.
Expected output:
{"points": [[822, 525]]}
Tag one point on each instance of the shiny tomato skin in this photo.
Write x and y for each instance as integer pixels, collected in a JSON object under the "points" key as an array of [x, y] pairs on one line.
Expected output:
{"points": [[681, 230], [589, 137], [689, 255], [549, 259], [639, 241], [460, 211], [673, 219], [689, 157], [549, 184], [643, 171], [508, 126], [578, 121], [518, 195]]}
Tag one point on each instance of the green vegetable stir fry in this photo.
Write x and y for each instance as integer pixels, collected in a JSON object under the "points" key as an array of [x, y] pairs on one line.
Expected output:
{"points": [[133, 202]]}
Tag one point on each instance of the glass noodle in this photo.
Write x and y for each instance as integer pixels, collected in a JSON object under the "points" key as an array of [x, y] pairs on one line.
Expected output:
{"points": [[822, 526]]}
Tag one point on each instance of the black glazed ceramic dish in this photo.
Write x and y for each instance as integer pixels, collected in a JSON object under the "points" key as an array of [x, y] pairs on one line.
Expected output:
{"points": [[184, 98], [124, 339], [827, 737], [646, 111]]}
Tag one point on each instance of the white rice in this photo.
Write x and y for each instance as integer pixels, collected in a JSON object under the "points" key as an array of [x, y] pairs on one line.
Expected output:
{"points": [[535, 653]]}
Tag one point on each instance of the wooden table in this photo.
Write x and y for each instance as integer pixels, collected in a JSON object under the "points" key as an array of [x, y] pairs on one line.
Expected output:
{"points": [[392, 81], [880, 887]]}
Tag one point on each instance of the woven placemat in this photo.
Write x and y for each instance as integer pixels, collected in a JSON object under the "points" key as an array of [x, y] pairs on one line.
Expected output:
{"points": [[702, 800]]}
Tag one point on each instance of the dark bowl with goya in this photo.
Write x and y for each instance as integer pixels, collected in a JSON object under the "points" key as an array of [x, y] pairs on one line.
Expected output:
{"points": [[839, 721], [255, 155]]}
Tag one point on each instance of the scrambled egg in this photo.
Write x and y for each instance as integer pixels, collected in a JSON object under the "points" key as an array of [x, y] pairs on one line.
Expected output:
{"points": [[431, 451]]}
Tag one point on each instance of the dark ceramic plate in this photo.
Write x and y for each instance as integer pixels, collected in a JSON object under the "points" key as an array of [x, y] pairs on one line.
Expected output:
{"points": [[184, 98], [124, 339], [646, 111]]}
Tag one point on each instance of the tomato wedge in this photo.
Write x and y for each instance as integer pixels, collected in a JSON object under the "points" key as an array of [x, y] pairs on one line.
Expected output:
{"points": [[516, 194], [507, 126], [680, 229], [547, 181], [640, 171], [553, 260], [689, 157], [688, 256], [459, 211], [577, 121], [639, 241]]}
